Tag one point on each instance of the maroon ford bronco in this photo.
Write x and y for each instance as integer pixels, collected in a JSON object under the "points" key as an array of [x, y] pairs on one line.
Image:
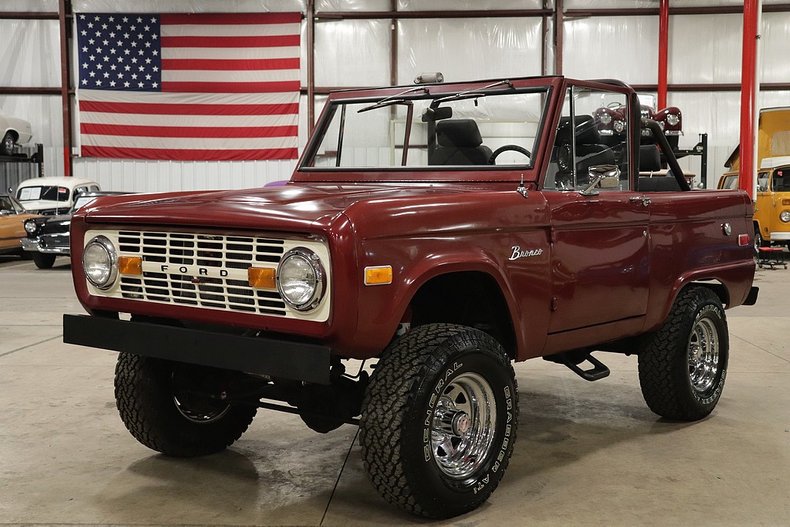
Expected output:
{"points": [[439, 232]]}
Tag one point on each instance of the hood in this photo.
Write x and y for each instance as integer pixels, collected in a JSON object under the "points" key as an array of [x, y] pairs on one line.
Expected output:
{"points": [[55, 224], [293, 207], [45, 204]]}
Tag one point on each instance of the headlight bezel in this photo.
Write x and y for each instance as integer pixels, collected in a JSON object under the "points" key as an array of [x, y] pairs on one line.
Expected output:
{"points": [[319, 279], [107, 246], [673, 117], [784, 216], [31, 231]]}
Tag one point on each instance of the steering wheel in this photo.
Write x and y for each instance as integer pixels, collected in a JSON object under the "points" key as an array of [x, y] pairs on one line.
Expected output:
{"points": [[506, 148]]}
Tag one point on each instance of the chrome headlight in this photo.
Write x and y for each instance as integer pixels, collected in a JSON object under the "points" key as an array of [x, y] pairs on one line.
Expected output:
{"points": [[619, 126], [785, 216], [605, 118], [100, 262], [673, 119], [301, 279], [30, 226]]}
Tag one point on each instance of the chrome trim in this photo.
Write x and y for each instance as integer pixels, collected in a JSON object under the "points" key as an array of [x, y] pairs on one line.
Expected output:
{"points": [[318, 270], [107, 245]]}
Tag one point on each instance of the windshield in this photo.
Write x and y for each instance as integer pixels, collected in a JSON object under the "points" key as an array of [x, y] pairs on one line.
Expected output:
{"points": [[781, 180], [49, 193], [487, 128], [81, 201]]}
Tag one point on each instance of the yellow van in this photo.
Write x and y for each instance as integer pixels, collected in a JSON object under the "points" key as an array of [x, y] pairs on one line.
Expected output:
{"points": [[772, 204]]}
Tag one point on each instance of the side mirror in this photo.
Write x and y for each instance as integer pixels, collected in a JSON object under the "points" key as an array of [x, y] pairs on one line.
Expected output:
{"points": [[599, 174]]}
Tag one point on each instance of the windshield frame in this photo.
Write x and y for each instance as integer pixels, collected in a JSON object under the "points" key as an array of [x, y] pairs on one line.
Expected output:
{"points": [[430, 173]]}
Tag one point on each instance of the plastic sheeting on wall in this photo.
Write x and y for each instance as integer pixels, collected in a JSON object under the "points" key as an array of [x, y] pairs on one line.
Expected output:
{"points": [[30, 55], [352, 5], [352, 53], [622, 47], [464, 49], [628, 4], [704, 49], [39, 6], [460, 5], [775, 44], [45, 116]]}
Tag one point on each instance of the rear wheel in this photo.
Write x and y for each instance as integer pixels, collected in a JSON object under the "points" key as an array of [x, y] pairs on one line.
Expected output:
{"points": [[44, 260], [683, 366], [177, 409], [439, 420]]}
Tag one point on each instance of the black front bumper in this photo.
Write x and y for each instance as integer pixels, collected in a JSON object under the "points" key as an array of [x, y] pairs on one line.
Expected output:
{"points": [[280, 358]]}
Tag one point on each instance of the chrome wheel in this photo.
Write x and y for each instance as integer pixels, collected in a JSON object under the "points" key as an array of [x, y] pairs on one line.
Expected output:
{"points": [[463, 426], [194, 405], [703, 355]]}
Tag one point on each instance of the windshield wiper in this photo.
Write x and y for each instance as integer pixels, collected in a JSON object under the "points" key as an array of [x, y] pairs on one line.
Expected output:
{"points": [[393, 99], [471, 94]]}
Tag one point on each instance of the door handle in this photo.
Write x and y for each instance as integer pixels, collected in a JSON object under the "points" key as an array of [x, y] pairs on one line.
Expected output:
{"points": [[637, 199]]}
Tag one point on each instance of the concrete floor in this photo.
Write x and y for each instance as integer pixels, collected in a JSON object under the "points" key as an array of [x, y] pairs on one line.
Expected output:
{"points": [[587, 453]]}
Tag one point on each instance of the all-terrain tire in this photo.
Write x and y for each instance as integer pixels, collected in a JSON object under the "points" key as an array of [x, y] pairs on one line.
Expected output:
{"points": [[415, 455], [683, 366], [44, 260], [146, 396]]}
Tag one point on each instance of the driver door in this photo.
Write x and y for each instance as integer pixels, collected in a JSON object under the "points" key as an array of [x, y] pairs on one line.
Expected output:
{"points": [[599, 239]]}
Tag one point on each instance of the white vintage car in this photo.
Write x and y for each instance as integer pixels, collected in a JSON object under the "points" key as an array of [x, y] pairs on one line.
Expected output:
{"points": [[52, 195], [14, 132]]}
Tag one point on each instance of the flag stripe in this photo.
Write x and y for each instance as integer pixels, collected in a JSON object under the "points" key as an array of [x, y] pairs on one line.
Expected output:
{"points": [[231, 53], [164, 154], [231, 18], [231, 42], [229, 31], [217, 132], [230, 76], [188, 109], [231, 87], [289, 63], [189, 143], [189, 99], [134, 119]]}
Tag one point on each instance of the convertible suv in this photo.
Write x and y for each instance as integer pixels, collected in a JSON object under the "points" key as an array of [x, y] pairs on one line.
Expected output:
{"points": [[439, 232]]}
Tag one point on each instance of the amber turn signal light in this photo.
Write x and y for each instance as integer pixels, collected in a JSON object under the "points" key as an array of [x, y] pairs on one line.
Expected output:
{"points": [[378, 275], [130, 265], [261, 277]]}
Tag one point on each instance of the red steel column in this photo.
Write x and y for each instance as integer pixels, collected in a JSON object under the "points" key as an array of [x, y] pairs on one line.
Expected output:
{"points": [[751, 12], [64, 9], [663, 49]]}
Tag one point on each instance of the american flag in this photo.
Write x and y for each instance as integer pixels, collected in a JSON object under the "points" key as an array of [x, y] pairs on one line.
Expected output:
{"points": [[189, 86]]}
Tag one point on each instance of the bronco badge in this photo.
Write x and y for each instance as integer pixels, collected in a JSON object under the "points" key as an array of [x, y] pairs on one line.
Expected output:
{"points": [[518, 252]]}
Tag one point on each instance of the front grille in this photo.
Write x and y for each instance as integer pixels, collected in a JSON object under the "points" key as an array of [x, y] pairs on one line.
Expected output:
{"points": [[188, 251], [208, 271], [206, 251]]}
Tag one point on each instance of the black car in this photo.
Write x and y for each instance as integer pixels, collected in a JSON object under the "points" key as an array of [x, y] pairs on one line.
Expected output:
{"points": [[48, 236]]}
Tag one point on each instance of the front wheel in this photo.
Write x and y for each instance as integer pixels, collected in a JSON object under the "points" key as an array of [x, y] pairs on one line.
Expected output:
{"points": [[439, 420], [683, 366], [177, 409], [44, 260]]}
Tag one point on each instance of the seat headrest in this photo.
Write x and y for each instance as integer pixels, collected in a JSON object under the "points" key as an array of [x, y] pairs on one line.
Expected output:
{"points": [[460, 133], [586, 129]]}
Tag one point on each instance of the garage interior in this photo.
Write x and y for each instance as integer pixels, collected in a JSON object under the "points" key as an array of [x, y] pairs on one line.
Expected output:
{"points": [[586, 453]]}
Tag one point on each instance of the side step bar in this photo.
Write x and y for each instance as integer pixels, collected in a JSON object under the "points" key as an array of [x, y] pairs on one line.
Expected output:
{"points": [[574, 359]]}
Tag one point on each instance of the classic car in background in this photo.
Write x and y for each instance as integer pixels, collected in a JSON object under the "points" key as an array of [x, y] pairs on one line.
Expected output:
{"points": [[53, 195], [14, 132], [12, 217], [48, 236], [611, 121]]}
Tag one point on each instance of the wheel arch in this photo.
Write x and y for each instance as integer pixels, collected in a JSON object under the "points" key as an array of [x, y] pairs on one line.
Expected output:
{"points": [[471, 296]]}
